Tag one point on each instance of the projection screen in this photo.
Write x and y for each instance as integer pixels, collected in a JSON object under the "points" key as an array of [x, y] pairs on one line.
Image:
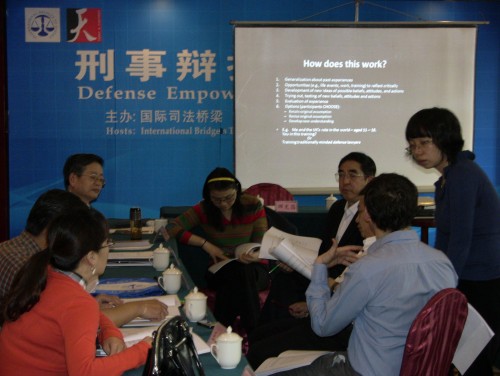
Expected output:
{"points": [[305, 96]]}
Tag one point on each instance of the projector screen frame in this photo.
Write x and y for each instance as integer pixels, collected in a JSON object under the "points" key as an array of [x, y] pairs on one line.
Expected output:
{"points": [[309, 24]]}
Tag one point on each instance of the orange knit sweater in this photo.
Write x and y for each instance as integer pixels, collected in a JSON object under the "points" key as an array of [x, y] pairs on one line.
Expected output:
{"points": [[58, 336]]}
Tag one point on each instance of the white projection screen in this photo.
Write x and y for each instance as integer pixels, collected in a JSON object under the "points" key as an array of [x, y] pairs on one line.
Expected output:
{"points": [[305, 96]]}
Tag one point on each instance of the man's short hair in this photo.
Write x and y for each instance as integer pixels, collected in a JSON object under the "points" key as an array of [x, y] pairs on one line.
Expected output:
{"points": [[76, 164], [391, 201], [367, 164], [50, 205]]}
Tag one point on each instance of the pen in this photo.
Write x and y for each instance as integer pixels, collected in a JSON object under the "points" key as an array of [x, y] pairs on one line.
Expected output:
{"points": [[273, 269]]}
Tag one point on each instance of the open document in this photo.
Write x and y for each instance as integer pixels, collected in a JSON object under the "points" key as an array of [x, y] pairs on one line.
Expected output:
{"points": [[298, 252], [171, 301], [246, 248], [288, 360]]}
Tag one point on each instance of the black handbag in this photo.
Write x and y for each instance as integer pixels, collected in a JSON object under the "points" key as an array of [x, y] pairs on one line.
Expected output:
{"points": [[173, 352]]}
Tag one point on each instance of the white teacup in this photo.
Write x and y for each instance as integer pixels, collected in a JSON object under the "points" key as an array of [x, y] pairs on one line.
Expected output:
{"points": [[161, 258], [227, 349], [170, 281], [195, 305]]}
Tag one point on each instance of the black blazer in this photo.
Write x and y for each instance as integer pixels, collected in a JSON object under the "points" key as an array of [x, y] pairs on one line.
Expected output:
{"points": [[351, 236]]}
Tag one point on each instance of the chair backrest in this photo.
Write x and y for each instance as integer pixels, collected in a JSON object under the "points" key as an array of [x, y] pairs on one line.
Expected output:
{"points": [[270, 192], [434, 335]]}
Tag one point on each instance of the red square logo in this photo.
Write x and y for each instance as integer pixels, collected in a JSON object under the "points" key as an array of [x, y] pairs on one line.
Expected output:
{"points": [[83, 25]]}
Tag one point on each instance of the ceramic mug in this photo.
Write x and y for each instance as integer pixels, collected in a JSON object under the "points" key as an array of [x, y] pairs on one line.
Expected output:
{"points": [[195, 305], [161, 258], [170, 281], [227, 349]]}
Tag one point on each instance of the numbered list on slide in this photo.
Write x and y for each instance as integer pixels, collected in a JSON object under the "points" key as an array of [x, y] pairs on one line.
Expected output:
{"points": [[309, 106]]}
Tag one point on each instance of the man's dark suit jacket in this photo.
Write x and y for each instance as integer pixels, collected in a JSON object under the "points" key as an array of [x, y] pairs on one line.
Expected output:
{"points": [[288, 288], [351, 236]]}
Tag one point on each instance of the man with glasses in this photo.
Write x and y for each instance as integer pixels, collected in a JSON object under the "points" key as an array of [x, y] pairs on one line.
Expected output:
{"points": [[84, 177], [285, 322], [382, 292]]}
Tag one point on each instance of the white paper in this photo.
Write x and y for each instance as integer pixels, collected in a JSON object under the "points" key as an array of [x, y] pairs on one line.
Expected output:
{"points": [[132, 245], [172, 301], [475, 337], [126, 286], [298, 258], [134, 335], [169, 300], [120, 263], [140, 322], [148, 230], [273, 237], [216, 267], [246, 248], [130, 255], [288, 360]]}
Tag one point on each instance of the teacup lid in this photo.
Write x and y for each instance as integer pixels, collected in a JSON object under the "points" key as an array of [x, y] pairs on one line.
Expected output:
{"points": [[195, 294], [172, 270], [160, 249], [229, 336]]}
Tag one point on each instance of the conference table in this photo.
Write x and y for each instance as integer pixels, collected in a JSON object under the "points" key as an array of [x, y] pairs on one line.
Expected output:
{"points": [[210, 365]]}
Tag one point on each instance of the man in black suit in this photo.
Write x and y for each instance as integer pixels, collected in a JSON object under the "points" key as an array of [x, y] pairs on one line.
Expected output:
{"points": [[285, 318]]}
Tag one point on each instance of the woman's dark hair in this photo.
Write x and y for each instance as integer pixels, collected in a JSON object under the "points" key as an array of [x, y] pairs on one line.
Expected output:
{"points": [[391, 201], [220, 179], [48, 206], [442, 126], [70, 237]]}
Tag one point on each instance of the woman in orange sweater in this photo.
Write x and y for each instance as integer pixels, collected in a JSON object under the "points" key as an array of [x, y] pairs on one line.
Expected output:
{"points": [[50, 322]]}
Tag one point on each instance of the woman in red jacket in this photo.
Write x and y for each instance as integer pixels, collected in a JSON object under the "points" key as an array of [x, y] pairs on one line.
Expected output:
{"points": [[50, 322]]}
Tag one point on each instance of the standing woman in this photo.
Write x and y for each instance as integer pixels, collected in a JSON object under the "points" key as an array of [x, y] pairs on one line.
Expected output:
{"points": [[228, 219], [50, 322], [467, 216]]}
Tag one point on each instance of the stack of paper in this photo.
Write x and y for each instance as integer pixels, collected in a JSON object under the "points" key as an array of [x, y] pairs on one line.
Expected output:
{"points": [[130, 258], [288, 360], [132, 245], [134, 335], [148, 230], [139, 328], [173, 303]]}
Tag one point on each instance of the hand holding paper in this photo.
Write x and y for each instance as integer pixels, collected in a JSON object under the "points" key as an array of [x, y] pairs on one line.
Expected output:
{"points": [[340, 255], [298, 252]]}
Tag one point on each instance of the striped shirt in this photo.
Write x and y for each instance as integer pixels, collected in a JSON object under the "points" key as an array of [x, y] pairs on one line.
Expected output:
{"points": [[238, 230]]}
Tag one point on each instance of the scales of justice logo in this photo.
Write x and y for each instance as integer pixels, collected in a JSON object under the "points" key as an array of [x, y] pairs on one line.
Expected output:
{"points": [[42, 25]]}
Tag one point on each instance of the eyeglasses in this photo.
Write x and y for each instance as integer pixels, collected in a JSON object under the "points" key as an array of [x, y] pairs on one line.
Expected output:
{"points": [[96, 179], [228, 198], [351, 175], [109, 244], [422, 145]]}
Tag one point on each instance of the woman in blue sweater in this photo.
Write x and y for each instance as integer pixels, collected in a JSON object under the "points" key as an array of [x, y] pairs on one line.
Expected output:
{"points": [[467, 216]]}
